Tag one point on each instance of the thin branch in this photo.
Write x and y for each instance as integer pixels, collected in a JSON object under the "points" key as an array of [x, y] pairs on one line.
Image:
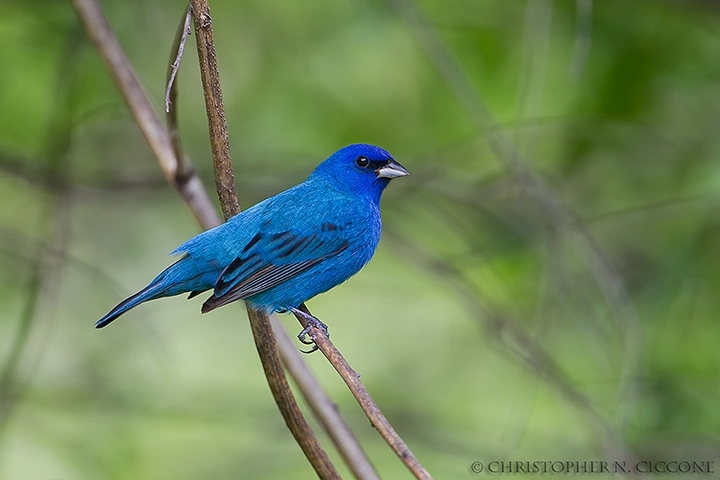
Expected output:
{"points": [[109, 48], [275, 374], [323, 408], [312, 391], [171, 108], [228, 199], [190, 187], [219, 142], [368, 405], [225, 184], [178, 49]]}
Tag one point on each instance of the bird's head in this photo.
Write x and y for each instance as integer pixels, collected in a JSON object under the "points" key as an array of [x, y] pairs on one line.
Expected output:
{"points": [[359, 168]]}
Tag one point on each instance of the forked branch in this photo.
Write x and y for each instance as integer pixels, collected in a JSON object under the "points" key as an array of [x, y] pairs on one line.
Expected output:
{"points": [[225, 185], [179, 173]]}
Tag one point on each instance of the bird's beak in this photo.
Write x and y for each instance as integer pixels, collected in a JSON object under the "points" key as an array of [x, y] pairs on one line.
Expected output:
{"points": [[392, 169]]}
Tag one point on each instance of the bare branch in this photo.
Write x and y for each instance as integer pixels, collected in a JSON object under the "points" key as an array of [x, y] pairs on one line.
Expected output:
{"points": [[219, 142], [368, 405], [225, 184], [272, 365], [178, 48], [189, 186], [171, 107], [323, 408], [169, 155]]}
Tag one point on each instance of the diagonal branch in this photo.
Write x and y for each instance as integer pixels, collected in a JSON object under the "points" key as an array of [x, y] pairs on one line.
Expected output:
{"points": [[322, 407], [368, 405], [228, 200], [225, 184], [183, 179], [167, 149], [188, 186]]}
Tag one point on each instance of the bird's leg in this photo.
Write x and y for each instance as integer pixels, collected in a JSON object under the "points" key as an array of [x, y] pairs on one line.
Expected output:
{"points": [[312, 322]]}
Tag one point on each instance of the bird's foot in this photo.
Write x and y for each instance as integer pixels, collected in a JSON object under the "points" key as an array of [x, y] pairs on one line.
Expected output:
{"points": [[312, 322]]}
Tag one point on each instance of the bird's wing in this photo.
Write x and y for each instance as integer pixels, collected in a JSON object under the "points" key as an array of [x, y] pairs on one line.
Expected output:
{"points": [[271, 259]]}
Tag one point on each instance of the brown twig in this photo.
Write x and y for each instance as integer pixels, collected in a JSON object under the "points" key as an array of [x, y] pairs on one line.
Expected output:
{"points": [[323, 408], [368, 405], [228, 198], [189, 186], [169, 155], [225, 184], [178, 49], [171, 92], [275, 374], [219, 142], [312, 391]]}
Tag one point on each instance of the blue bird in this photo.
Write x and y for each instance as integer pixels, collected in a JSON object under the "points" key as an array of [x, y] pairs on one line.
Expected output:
{"points": [[285, 250]]}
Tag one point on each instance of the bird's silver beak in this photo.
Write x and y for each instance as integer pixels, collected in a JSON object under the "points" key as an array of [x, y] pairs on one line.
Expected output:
{"points": [[392, 170]]}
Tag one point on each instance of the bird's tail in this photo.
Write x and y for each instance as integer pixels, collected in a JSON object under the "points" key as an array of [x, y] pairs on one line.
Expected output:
{"points": [[154, 290]]}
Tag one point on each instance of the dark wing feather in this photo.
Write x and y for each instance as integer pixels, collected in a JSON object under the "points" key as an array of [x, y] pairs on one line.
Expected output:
{"points": [[274, 259]]}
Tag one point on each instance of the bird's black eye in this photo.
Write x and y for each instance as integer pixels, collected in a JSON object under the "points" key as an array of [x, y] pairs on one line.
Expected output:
{"points": [[362, 162]]}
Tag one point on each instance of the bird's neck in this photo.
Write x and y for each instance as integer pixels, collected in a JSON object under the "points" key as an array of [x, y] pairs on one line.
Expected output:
{"points": [[369, 193]]}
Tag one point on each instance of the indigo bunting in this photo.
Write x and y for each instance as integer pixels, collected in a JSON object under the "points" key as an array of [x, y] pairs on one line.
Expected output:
{"points": [[288, 248]]}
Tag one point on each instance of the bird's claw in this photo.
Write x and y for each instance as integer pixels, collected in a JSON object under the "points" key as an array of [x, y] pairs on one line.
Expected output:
{"points": [[312, 322], [314, 348], [304, 335]]}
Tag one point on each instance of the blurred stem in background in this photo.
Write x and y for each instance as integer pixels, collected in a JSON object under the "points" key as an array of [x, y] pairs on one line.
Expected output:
{"points": [[47, 259], [558, 217]]}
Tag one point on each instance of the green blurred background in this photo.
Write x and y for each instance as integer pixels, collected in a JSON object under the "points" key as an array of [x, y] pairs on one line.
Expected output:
{"points": [[546, 287]]}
